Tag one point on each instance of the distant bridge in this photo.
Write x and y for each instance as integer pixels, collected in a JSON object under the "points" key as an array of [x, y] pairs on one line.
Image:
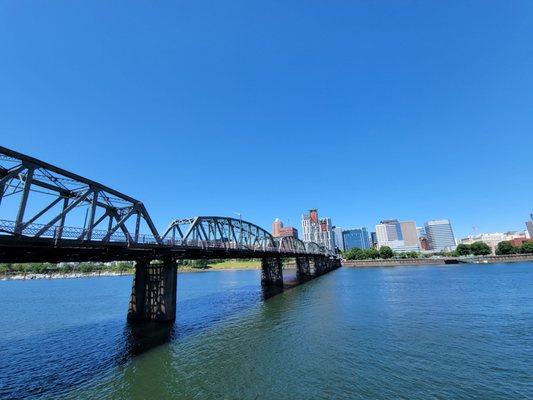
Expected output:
{"points": [[48, 214]]}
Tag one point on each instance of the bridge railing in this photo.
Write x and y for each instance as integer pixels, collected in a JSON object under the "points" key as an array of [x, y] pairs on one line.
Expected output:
{"points": [[70, 233]]}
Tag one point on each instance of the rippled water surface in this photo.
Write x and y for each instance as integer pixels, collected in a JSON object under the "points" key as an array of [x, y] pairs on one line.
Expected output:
{"points": [[458, 332]]}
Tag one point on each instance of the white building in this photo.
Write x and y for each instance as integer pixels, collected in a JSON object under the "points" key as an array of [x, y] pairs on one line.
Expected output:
{"points": [[492, 239], [399, 236], [317, 230]]}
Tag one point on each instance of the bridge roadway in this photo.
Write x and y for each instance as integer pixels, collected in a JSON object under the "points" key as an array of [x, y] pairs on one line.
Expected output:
{"points": [[48, 214]]}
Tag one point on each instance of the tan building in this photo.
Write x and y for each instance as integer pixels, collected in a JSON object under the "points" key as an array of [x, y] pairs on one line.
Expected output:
{"points": [[409, 234]]}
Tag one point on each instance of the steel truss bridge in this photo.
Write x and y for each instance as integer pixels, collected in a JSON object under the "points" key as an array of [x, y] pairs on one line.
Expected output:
{"points": [[48, 214]]}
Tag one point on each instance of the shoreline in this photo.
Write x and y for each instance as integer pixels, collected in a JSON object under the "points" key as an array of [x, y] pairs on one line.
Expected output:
{"points": [[512, 258], [77, 275]]}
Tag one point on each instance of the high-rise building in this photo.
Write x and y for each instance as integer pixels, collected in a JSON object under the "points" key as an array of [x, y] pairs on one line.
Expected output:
{"points": [[409, 234], [356, 239], [390, 230], [374, 239], [278, 230], [529, 226], [326, 234], [440, 235], [317, 230], [276, 227], [337, 237], [399, 236]]}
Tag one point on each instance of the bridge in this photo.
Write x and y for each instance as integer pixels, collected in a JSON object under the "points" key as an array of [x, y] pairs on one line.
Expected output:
{"points": [[48, 214]]}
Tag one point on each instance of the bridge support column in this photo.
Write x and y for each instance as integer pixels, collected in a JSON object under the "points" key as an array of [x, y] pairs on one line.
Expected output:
{"points": [[154, 290], [320, 266], [271, 271], [303, 268]]}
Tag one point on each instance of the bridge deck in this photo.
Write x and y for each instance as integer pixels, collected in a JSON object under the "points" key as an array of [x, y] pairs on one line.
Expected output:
{"points": [[21, 249]]}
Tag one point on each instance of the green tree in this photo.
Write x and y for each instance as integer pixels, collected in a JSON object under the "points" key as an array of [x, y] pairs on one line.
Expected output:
{"points": [[480, 249], [505, 248], [386, 252], [463, 250], [526, 248], [372, 253]]}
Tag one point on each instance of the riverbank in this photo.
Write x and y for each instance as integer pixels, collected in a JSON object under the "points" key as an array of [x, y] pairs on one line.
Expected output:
{"points": [[221, 266], [512, 258]]}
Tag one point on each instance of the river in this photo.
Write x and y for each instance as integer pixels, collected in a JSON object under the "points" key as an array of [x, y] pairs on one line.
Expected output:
{"points": [[457, 332]]}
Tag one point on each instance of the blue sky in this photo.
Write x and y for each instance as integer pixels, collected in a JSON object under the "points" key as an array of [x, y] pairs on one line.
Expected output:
{"points": [[366, 110]]}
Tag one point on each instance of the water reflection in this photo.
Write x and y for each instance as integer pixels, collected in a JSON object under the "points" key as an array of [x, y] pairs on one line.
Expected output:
{"points": [[141, 336]]}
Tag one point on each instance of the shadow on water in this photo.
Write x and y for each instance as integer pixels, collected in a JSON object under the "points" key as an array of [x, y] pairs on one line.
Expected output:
{"points": [[142, 336]]}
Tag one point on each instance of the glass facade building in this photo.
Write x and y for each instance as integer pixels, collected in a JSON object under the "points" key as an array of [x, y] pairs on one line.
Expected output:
{"points": [[356, 238], [440, 235]]}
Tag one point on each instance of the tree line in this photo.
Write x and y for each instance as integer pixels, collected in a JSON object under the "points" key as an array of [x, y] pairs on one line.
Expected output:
{"points": [[65, 268], [505, 248], [474, 249], [384, 252]]}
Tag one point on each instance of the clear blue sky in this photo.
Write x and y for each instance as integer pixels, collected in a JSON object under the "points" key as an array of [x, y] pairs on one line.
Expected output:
{"points": [[364, 109]]}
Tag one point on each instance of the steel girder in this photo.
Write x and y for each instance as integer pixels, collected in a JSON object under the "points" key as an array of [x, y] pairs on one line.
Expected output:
{"points": [[109, 214]]}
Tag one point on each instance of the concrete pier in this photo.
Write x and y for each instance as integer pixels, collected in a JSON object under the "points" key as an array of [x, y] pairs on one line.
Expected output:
{"points": [[271, 271], [154, 289]]}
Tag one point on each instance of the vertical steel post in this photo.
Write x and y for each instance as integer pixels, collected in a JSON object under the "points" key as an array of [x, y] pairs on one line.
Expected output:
{"points": [[23, 201], [137, 226], [91, 215]]}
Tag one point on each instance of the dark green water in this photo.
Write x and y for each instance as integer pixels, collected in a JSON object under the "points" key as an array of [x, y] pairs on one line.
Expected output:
{"points": [[457, 332]]}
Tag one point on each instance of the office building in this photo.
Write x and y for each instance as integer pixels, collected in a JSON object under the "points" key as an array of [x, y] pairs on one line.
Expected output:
{"points": [[356, 239], [391, 233], [374, 239], [440, 235], [278, 230], [389, 230], [318, 230], [337, 238], [409, 234], [529, 226]]}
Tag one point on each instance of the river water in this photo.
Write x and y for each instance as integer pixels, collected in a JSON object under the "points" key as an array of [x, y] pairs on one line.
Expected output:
{"points": [[458, 332]]}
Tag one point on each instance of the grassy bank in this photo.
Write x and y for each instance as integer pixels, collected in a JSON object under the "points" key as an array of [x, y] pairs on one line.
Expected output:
{"points": [[211, 265]]}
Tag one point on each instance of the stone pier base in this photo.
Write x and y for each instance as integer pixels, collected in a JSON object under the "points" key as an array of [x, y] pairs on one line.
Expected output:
{"points": [[153, 294], [303, 268], [320, 266], [271, 271]]}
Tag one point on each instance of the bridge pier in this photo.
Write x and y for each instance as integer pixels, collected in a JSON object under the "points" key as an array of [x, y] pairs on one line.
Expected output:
{"points": [[271, 271], [320, 266], [154, 290], [303, 268]]}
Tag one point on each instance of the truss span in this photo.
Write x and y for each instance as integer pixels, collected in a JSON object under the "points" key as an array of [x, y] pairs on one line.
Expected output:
{"points": [[213, 232], [49, 206], [39, 200]]}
